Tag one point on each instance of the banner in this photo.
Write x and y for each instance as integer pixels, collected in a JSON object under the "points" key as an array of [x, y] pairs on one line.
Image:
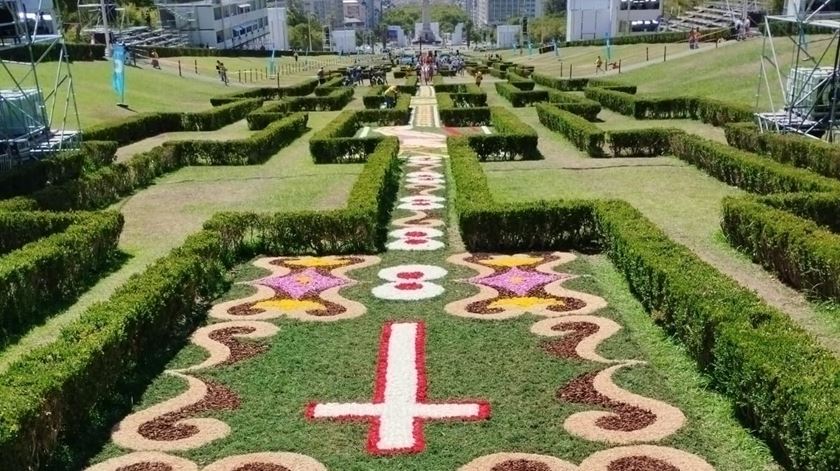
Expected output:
{"points": [[118, 79]]}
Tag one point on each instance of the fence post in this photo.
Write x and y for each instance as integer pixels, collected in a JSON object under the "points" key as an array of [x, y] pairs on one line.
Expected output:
{"points": [[647, 54], [179, 68], [239, 74], [196, 66], [665, 53], [570, 70], [561, 69], [278, 81], [619, 66]]}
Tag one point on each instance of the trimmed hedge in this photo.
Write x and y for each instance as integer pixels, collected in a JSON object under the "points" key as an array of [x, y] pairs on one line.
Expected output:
{"points": [[58, 169], [512, 139], [784, 384], [452, 115], [584, 107], [519, 81], [303, 88], [567, 85], [329, 86], [143, 126], [747, 171], [707, 110], [99, 189], [800, 151], [336, 100], [335, 142], [580, 132], [802, 253], [652, 142], [360, 228], [61, 394], [519, 98], [54, 269]]}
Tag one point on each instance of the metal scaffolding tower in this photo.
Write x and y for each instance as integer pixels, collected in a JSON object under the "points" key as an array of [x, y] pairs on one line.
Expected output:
{"points": [[803, 95], [38, 110]]}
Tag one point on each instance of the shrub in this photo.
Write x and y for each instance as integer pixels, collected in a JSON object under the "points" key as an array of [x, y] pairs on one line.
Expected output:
{"points": [[338, 99], [799, 151], [519, 81], [583, 134], [619, 102], [747, 171], [803, 254], [360, 228], [568, 85], [641, 142], [512, 139], [519, 98], [329, 86], [335, 142], [784, 384], [452, 115], [58, 169], [708, 110], [584, 107], [53, 269], [399, 115], [60, 394]]}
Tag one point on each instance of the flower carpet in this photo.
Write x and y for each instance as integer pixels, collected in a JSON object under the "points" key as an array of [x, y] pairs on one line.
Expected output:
{"points": [[428, 358]]}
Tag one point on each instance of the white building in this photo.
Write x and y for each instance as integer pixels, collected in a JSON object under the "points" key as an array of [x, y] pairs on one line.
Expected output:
{"points": [[396, 36], [343, 40], [222, 24], [507, 36], [597, 19], [278, 29], [458, 35], [499, 12]]}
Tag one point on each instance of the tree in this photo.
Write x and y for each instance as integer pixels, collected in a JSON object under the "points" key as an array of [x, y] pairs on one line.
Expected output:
{"points": [[295, 13], [406, 16], [468, 29], [555, 7], [299, 36], [546, 28]]}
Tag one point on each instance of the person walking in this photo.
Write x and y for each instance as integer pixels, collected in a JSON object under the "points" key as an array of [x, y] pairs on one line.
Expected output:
{"points": [[478, 77], [296, 56], [155, 62], [599, 65]]}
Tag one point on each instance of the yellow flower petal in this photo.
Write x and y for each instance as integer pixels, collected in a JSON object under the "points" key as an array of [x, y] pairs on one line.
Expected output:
{"points": [[511, 260], [524, 302], [289, 305], [316, 261]]}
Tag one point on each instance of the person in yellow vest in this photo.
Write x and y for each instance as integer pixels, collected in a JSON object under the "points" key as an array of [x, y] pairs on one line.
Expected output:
{"points": [[391, 96]]}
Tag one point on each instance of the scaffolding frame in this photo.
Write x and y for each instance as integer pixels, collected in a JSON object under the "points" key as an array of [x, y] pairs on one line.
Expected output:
{"points": [[51, 136], [808, 53]]}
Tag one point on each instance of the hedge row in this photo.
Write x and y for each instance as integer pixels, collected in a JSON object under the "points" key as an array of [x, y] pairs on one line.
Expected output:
{"points": [[652, 38], [303, 88], [329, 86], [44, 50], [651, 142], [512, 139], [360, 228], [453, 115], [708, 110], [399, 115], [519, 81], [747, 171], [147, 125], [794, 149], [99, 189], [336, 100], [783, 383], [580, 106], [580, 132], [580, 84], [335, 143], [58, 169], [62, 394], [519, 98], [802, 253], [54, 269]]}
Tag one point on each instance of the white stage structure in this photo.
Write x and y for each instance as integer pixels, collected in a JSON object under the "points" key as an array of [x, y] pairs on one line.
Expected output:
{"points": [[598, 19], [507, 36]]}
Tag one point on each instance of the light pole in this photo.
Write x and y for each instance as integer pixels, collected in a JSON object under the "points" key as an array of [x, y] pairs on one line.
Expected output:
{"points": [[309, 32]]}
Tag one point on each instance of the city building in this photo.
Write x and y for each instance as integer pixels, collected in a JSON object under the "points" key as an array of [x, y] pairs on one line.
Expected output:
{"points": [[598, 19], [278, 29], [223, 24], [507, 36], [499, 12], [327, 12]]}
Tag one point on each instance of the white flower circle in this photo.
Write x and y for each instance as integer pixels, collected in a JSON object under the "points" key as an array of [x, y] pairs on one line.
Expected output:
{"points": [[407, 291], [416, 231], [401, 273], [425, 175], [421, 202]]}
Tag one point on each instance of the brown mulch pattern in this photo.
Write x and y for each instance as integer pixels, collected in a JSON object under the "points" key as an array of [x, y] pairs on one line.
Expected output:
{"points": [[166, 428], [262, 467], [521, 465], [640, 463], [564, 347], [147, 466], [238, 350], [627, 419], [560, 304]]}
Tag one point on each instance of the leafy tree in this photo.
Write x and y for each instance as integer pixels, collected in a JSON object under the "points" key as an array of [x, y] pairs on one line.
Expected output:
{"points": [[555, 7], [295, 13], [299, 36], [407, 15], [546, 28]]}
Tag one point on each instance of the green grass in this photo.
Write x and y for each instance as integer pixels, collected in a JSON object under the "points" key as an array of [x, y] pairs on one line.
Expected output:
{"points": [[500, 361], [160, 217]]}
